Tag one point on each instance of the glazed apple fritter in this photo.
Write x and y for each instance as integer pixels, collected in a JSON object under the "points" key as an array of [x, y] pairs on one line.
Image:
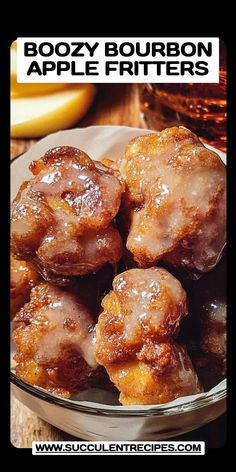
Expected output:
{"points": [[62, 219], [213, 339], [54, 340], [133, 338], [174, 205], [23, 279], [140, 383]]}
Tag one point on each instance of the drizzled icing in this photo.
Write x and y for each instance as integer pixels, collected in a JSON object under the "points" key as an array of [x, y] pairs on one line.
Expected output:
{"points": [[68, 326], [175, 200], [150, 298], [63, 217]]}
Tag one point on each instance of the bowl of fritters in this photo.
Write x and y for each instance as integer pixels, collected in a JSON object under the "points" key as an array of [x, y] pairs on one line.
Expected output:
{"points": [[118, 282]]}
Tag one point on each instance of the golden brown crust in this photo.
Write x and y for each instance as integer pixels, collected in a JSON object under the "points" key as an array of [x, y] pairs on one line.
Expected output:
{"points": [[63, 217], [23, 279], [174, 203], [140, 383]]}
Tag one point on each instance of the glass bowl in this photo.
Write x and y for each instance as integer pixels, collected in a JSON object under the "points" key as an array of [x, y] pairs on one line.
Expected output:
{"points": [[97, 421], [110, 423]]}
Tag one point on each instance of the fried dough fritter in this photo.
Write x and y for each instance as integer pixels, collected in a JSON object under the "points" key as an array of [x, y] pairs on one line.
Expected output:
{"points": [[62, 219], [54, 340], [140, 383], [174, 203], [213, 340], [23, 279], [133, 338]]}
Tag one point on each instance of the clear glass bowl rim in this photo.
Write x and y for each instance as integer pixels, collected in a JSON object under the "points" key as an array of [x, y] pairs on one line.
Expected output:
{"points": [[117, 410]]}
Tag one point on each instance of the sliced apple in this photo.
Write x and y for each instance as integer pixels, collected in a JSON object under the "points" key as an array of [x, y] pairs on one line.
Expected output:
{"points": [[37, 116]]}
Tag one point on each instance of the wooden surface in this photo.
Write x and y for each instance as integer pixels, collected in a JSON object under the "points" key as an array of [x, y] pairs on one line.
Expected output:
{"points": [[114, 105]]}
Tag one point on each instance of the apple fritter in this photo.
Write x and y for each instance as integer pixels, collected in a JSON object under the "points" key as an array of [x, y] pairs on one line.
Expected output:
{"points": [[23, 279], [134, 337], [174, 205], [142, 383], [213, 339], [54, 340], [62, 219]]}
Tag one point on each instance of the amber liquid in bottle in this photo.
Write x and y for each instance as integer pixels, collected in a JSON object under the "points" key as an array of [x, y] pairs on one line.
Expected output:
{"points": [[199, 107]]}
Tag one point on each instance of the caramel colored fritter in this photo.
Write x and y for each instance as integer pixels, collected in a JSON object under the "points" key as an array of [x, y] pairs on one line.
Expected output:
{"points": [[133, 338], [140, 383], [54, 340], [23, 279], [62, 219], [213, 341], [174, 204]]}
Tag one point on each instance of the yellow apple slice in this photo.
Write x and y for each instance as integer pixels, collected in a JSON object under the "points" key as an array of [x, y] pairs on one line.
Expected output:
{"points": [[36, 116], [28, 89]]}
